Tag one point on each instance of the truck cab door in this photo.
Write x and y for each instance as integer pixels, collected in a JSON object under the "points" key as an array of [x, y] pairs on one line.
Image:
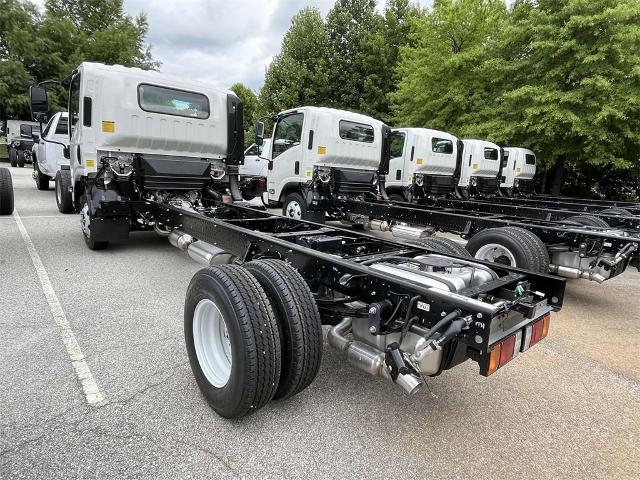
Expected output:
{"points": [[399, 167], [285, 161], [41, 146]]}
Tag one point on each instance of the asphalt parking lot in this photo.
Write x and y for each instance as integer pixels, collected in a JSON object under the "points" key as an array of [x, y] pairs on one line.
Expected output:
{"points": [[569, 408]]}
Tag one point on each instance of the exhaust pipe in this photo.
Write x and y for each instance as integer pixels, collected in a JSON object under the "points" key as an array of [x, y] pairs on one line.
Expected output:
{"points": [[568, 272], [367, 358], [202, 252]]}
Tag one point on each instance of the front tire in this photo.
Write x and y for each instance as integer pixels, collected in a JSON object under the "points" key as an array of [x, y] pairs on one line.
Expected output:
{"points": [[232, 340], [295, 206], [64, 198], [298, 320], [21, 159]]}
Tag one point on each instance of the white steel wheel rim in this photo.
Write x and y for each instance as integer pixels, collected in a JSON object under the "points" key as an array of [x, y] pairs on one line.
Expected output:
{"points": [[212, 344], [294, 210], [494, 252]]}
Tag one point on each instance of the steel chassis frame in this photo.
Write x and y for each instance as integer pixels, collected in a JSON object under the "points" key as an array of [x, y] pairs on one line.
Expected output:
{"points": [[330, 259], [465, 223]]}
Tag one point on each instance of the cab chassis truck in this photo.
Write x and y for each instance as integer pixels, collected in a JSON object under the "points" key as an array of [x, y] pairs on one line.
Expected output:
{"points": [[614, 208], [570, 251], [253, 324], [565, 248], [599, 218]]}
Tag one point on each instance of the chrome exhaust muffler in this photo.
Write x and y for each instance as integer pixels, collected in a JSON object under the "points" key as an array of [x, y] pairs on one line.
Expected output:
{"points": [[202, 252], [367, 358]]}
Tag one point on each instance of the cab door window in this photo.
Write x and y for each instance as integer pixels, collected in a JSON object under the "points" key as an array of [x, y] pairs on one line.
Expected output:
{"points": [[74, 103], [288, 133]]}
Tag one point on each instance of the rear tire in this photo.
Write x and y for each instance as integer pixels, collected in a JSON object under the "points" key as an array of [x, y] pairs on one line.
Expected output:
{"points": [[295, 206], [589, 221], [505, 247], [6, 192], [85, 223], [232, 340], [299, 324], [64, 198], [444, 246], [538, 245], [13, 157], [21, 159]]}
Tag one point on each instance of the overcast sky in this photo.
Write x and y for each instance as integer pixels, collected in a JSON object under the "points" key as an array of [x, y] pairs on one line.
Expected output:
{"points": [[220, 41]]}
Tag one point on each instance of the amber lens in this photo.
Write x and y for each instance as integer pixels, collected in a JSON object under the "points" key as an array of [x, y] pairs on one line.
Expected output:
{"points": [[545, 325], [494, 359]]}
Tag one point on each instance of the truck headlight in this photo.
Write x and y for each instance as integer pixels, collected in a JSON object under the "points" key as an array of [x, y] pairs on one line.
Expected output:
{"points": [[419, 180], [474, 182], [517, 183]]}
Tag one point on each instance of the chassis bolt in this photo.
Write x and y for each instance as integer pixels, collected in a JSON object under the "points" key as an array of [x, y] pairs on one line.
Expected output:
{"points": [[372, 329], [479, 315]]}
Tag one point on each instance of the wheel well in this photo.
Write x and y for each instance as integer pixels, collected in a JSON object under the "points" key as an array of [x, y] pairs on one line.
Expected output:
{"points": [[290, 188]]}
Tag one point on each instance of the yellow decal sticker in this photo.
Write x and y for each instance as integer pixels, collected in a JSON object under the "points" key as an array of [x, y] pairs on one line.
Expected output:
{"points": [[90, 163], [108, 126], [322, 150], [420, 161], [309, 173], [474, 166], [518, 169]]}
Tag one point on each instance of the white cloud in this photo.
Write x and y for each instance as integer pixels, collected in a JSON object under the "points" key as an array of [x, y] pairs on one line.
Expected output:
{"points": [[220, 41]]}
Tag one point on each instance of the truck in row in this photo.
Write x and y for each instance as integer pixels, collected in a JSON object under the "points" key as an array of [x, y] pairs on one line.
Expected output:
{"points": [[149, 152]]}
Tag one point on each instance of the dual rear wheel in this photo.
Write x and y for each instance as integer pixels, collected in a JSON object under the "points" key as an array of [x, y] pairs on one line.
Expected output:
{"points": [[253, 334]]}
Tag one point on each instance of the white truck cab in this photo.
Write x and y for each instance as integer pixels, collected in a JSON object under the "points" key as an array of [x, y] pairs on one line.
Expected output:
{"points": [[424, 162], [321, 152], [480, 168], [518, 171], [137, 135], [48, 157]]}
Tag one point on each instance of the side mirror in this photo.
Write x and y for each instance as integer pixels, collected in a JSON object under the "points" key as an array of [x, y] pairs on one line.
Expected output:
{"points": [[39, 102], [259, 133], [36, 137], [66, 152]]}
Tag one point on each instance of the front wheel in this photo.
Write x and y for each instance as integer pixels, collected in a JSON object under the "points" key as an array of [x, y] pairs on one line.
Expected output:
{"points": [[21, 159], [295, 206], [64, 198], [232, 340], [85, 222]]}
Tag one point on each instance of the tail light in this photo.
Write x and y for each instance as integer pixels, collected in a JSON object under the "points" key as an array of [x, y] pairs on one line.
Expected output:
{"points": [[520, 341]]}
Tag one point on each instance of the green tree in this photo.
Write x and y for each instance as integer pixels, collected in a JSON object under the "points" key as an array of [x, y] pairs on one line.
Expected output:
{"points": [[381, 52], [250, 106], [38, 46], [353, 53], [298, 74], [569, 83], [442, 80]]}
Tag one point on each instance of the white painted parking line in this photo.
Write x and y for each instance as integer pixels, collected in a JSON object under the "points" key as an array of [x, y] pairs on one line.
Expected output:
{"points": [[90, 388], [38, 216]]}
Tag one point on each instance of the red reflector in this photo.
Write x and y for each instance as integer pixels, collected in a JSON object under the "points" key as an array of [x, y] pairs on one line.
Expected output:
{"points": [[262, 182], [227, 199], [506, 352], [536, 334]]}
